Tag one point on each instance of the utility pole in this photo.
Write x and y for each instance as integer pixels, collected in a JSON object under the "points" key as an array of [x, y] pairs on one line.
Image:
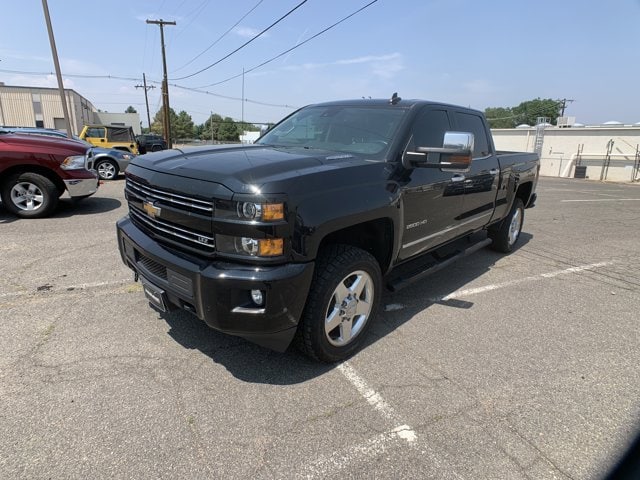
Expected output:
{"points": [[54, 52], [211, 126], [146, 98], [165, 86], [242, 118], [564, 102]]}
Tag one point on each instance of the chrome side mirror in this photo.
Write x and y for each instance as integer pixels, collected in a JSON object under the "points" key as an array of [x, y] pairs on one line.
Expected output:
{"points": [[455, 154]]}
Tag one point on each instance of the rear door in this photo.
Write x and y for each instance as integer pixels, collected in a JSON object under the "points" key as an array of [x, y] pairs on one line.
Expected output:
{"points": [[432, 198], [482, 180]]}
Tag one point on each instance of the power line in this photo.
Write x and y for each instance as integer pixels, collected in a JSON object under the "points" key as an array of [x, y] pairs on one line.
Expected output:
{"points": [[113, 77], [219, 38], [244, 44], [292, 48], [204, 92]]}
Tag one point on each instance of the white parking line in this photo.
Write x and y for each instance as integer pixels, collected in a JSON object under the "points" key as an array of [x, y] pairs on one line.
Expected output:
{"points": [[327, 466], [496, 286], [376, 401], [604, 200]]}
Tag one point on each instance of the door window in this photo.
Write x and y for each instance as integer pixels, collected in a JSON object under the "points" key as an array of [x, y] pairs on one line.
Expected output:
{"points": [[429, 128], [95, 132], [473, 124]]}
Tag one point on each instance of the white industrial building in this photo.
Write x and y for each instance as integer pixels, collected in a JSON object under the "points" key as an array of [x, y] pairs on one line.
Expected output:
{"points": [[605, 152], [41, 107]]}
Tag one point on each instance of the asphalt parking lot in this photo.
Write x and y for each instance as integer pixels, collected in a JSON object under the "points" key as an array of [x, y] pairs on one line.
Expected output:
{"points": [[519, 366]]}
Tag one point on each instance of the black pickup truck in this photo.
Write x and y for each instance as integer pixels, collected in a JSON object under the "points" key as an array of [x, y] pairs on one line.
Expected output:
{"points": [[296, 235]]}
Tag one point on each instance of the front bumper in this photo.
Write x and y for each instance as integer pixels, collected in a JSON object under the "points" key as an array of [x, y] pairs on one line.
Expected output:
{"points": [[82, 187], [218, 292]]}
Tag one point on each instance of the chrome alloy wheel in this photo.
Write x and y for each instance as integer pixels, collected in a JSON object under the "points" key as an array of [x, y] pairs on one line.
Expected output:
{"points": [[349, 308], [107, 171], [515, 226], [27, 196]]}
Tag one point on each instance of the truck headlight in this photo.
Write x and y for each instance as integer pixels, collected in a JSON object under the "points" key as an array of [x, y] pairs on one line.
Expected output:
{"points": [[75, 162], [250, 211], [251, 247]]}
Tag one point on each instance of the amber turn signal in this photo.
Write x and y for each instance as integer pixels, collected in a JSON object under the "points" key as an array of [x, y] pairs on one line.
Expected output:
{"points": [[272, 211], [270, 247]]}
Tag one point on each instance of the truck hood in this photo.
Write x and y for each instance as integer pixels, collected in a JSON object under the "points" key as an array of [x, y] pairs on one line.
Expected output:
{"points": [[242, 168], [26, 142]]}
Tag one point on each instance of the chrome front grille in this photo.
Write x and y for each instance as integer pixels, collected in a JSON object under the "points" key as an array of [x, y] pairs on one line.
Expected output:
{"points": [[182, 221], [178, 201]]}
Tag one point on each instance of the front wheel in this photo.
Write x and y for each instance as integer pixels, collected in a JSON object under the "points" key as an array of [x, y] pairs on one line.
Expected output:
{"points": [[506, 233], [345, 295], [29, 195], [107, 169]]}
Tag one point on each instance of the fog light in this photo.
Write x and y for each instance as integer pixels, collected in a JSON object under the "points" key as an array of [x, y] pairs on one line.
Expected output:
{"points": [[257, 297], [247, 245]]}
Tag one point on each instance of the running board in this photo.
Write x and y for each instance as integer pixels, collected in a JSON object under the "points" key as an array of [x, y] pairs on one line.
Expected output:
{"points": [[395, 284]]}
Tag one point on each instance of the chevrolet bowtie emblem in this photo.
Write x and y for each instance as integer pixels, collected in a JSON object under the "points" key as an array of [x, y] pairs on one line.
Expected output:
{"points": [[151, 209]]}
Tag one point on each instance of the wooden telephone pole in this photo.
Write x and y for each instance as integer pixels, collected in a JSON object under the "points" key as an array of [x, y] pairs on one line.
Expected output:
{"points": [[165, 86], [146, 97]]}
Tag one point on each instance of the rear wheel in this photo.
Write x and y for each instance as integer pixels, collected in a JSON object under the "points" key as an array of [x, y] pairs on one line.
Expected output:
{"points": [[29, 195], [506, 233], [344, 296], [107, 169]]}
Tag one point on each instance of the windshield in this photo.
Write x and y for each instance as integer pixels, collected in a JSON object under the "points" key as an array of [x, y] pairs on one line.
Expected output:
{"points": [[342, 128]]}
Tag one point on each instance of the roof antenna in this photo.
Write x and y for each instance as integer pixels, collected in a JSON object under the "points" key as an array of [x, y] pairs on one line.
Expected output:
{"points": [[394, 98]]}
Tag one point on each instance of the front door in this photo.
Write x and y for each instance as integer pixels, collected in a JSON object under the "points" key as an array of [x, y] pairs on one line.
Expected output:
{"points": [[432, 198]]}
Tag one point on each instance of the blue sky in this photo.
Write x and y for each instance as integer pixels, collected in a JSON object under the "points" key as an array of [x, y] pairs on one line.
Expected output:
{"points": [[469, 52]]}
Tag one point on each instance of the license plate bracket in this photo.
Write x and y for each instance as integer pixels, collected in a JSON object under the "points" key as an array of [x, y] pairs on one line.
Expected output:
{"points": [[154, 294]]}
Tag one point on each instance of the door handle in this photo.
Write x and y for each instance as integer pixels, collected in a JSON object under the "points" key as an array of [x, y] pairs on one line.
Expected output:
{"points": [[494, 171], [458, 178]]}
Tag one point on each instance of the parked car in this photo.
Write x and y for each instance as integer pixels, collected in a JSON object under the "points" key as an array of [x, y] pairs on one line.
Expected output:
{"points": [[149, 142], [110, 136], [107, 162], [297, 234], [35, 170]]}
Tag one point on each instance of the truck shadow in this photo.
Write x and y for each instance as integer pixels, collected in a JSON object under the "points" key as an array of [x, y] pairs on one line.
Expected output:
{"points": [[69, 208], [253, 364]]}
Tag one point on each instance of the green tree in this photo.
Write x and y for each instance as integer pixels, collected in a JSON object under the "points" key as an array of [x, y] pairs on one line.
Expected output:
{"points": [[229, 131], [183, 127], [130, 109], [156, 124], [499, 117], [247, 127], [211, 127], [198, 131], [529, 111]]}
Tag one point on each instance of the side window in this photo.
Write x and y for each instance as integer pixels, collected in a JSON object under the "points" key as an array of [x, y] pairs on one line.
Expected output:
{"points": [[95, 132], [473, 124], [428, 129]]}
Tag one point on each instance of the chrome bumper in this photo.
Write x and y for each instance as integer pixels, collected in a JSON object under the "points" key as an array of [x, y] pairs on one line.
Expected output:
{"points": [[81, 187]]}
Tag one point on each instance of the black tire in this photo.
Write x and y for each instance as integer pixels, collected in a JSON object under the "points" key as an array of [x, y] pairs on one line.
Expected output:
{"points": [[107, 169], [156, 148], [29, 195], [505, 235], [337, 270]]}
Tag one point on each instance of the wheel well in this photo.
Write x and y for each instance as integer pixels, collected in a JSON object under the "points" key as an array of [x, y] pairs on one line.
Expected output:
{"points": [[524, 192], [105, 159], [45, 172], [123, 149], [375, 237]]}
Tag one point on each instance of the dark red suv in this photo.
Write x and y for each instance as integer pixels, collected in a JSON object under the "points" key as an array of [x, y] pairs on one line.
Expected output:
{"points": [[36, 170]]}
